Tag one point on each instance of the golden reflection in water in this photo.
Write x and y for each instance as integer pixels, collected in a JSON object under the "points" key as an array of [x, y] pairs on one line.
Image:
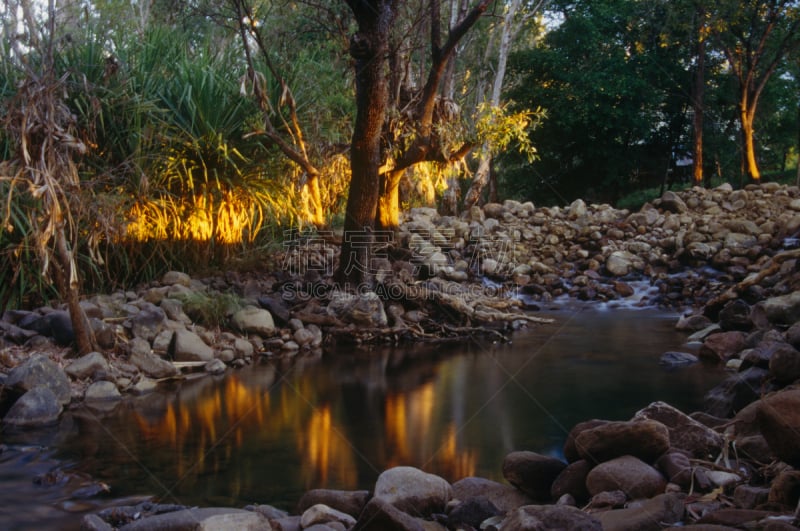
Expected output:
{"points": [[411, 438], [329, 458], [206, 433]]}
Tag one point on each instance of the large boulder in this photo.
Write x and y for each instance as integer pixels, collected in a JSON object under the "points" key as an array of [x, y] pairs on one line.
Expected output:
{"points": [[532, 473], [735, 392], [645, 439], [188, 346], [253, 320], [39, 370], [779, 421], [413, 491], [632, 476], [685, 433], [722, 346], [36, 407]]}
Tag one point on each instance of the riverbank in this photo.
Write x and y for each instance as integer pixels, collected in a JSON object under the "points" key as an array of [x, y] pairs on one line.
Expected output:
{"points": [[501, 260]]}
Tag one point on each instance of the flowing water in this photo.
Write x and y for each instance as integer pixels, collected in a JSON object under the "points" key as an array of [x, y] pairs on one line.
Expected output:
{"points": [[268, 432]]}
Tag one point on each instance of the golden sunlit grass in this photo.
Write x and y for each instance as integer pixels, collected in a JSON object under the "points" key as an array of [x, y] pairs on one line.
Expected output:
{"points": [[232, 218]]}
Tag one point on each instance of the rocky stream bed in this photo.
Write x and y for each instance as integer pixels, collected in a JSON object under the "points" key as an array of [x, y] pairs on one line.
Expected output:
{"points": [[728, 259]]}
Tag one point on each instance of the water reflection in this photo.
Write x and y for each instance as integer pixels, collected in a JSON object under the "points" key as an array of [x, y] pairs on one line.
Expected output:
{"points": [[267, 433]]}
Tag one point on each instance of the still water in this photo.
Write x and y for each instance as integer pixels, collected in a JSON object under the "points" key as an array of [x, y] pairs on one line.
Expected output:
{"points": [[267, 433]]}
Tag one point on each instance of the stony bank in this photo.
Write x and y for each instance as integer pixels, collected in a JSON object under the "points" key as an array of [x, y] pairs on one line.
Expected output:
{"points": [[727, 258]]}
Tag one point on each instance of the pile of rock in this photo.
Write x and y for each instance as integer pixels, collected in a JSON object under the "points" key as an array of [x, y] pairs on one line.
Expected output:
{"points": [[583, 250]]}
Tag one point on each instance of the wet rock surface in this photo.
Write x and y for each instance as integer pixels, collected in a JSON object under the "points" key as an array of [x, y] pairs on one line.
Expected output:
{"points": [[727, 269]]}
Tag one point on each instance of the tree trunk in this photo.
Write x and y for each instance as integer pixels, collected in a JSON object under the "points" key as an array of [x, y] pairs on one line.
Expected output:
{"points": [[697, 103], [388, 214], [484, 166], [67, 280], [751, 166], [368, 48]]}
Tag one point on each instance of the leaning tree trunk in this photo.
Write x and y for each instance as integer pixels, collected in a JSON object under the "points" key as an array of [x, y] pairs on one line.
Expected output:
{"points": [[368, 48]]}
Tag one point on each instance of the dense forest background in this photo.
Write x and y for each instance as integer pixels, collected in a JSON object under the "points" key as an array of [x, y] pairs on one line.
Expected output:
{"points": [[143, 136]]}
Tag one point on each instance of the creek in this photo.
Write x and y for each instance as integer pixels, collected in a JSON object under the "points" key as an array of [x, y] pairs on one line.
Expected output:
{"points": [[268, 432]]}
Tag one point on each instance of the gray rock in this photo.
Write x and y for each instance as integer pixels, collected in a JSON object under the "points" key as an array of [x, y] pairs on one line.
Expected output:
{"points": [[778, 418], [176, 277], [243, 348], [784, 364], [188, 346], [173, 308], [672, 202], [363, 309], [322, 514], [87, 365], [147, 362], [632, 476], [677, 359], [785, 489], [104, 333], [303, 337], [735, 392], [92, 522], [652, 514], [61, 327], [380, 515], [619, 263], [784, 309], [735, 315], [215, 367], [532, 473], [685, 433], [572, 481], [102, 391], [253, 320], [144, 386], [162, 342], [550, 518], [413, 491], [645, 439], [148, 322], [39, 370], [504, 497], [201, 519], [36, 407], [750, 496], [471, 512], [350, 502], [722, 346]]}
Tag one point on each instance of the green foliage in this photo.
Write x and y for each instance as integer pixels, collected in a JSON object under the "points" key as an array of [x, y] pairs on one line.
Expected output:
{"points": [[212, 310], [500, 128]]}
